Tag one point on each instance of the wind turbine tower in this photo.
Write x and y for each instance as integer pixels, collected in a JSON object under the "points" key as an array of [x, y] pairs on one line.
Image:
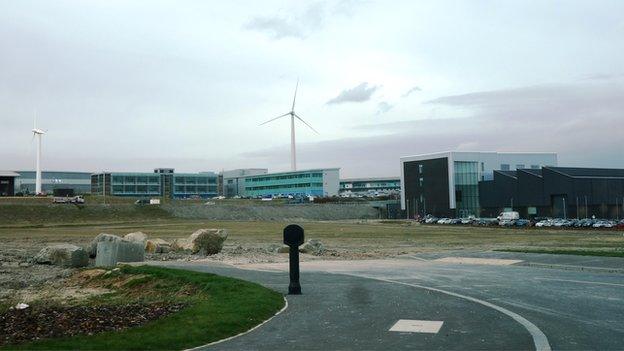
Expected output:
{"points": [[293, 115], [38, 133]]}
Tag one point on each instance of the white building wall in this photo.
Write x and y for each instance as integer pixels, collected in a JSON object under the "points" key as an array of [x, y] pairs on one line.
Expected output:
{"points": [[331, 181]]}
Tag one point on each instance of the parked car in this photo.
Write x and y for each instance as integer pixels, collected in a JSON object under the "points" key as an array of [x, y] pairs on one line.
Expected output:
{"points": [[544, 223], [506, 222], [467, 220], [508, 216], [431, 220], [68, 200], [455, 221], [522, 223]]}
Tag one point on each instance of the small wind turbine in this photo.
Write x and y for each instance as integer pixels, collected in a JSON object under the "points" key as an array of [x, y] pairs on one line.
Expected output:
{"points": [[293, 115], [38, 133]]}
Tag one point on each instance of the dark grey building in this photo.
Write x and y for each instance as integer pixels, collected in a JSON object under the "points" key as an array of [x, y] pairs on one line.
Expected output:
{"points": [[555, 192], [447, 183], [7, 183]]}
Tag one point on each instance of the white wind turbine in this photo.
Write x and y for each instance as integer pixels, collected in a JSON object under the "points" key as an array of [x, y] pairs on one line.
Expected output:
{"points": [[293, 115], [38, 133]]}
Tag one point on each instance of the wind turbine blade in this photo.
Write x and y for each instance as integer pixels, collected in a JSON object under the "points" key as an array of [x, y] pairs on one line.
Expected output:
{"points": [[295, 97], [278, 117], [306, 123]]}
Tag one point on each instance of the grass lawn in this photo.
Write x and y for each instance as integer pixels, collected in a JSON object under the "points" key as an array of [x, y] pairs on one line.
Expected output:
{"points": [[216, 307], [569, 252]]}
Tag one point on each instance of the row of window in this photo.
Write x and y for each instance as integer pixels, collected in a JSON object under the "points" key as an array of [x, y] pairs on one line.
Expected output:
{"points": [[136, 189], [194, 180], [291, 176], [285, 186], [156, 180], [194, 189], [136, 179]]}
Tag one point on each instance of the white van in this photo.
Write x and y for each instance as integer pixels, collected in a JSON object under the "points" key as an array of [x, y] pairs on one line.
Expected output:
{"points": [[508, 216]]}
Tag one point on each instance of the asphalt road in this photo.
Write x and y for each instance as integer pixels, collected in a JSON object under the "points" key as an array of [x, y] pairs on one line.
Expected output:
{"points": [[485, 301]]}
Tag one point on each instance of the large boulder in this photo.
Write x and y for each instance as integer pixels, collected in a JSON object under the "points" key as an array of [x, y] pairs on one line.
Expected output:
{"points": [[109, 253], [181, 244], [65, 255], [100, 238], [207, 241], [312, 246], [137, 237], [157, 246]]}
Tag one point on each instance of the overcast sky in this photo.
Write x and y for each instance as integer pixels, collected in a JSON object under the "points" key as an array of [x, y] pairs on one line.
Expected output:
{"points": [[134, 85]]}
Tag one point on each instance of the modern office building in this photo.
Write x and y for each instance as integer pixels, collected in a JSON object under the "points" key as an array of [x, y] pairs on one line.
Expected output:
{"points": [[370, 186], [51, 182], [163, 182], [7, 183], [560, 192], [312, 182], [233, 180], [447, 183]]}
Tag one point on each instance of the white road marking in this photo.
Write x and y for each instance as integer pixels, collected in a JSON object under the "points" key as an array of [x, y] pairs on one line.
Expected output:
{"points": [[416, 326], [473, 260], [579, 281], [539, 338]]}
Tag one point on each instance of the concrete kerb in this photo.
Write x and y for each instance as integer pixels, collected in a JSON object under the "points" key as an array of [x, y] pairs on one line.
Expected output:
{"points": [[201, 347]]}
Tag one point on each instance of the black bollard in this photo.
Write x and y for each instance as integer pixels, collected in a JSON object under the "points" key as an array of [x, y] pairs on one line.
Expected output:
{"points": [[293, 237]]}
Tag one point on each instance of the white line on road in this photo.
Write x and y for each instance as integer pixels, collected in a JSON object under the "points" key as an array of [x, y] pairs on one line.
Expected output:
{"points": [[579, 281], [539, 338]]}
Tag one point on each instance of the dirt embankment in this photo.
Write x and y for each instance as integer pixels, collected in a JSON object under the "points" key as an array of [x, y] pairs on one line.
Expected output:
{"points": [[34, 214], [278, 212]]}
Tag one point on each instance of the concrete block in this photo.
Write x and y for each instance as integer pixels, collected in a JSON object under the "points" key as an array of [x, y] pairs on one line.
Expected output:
{"points": [[109, 253]]}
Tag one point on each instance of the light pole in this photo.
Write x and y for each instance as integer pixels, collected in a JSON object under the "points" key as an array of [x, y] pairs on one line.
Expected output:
{"points": [[104, 186]]}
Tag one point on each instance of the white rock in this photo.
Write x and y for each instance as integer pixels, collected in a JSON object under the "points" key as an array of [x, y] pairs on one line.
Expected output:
{"points": [[207, 241], [66, 255]]}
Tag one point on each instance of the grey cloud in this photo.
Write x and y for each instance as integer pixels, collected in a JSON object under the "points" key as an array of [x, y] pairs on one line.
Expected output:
{"points": [[575, 120], [359, 93], [295, 26], [301, 25], [383, 107], [409, 92]]}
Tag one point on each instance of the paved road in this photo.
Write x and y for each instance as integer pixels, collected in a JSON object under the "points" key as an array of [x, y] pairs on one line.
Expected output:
{"points": [[485, 301]]}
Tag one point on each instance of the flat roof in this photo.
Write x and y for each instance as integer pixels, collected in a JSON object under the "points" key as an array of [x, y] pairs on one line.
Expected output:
{"points": [[8, 174], [369, 179], [291, 172], [447, 153]]}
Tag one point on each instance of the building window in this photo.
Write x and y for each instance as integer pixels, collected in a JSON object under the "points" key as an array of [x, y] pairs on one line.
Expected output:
{"points": [[504, 167], [420, 182], [520, 166], [420, 169], [535, 166]]}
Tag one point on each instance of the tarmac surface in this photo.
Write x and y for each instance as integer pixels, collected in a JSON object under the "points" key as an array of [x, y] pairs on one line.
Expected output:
{"points": [[484, 301]]}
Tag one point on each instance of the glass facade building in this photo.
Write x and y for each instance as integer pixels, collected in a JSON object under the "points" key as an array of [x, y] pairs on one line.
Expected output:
{"points": [[366, 186], [467, 178], [317, 182], [163, 182], [78, 182]]}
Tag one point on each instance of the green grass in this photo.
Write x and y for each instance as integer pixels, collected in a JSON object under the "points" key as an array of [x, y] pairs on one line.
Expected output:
{"points": [[218, 307], [568, 252]]}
